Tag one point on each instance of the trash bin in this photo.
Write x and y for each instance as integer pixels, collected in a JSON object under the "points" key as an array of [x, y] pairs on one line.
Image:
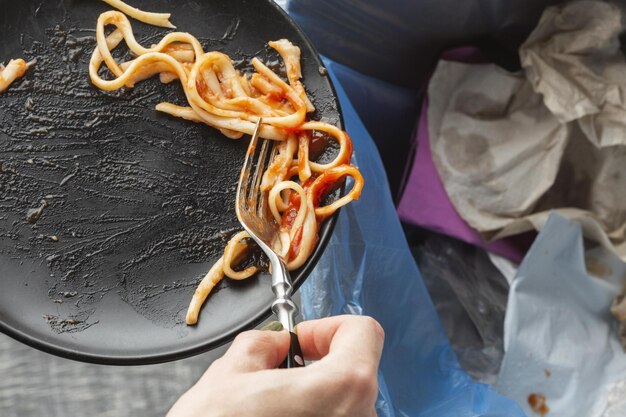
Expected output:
{"points": [[380, 55]]}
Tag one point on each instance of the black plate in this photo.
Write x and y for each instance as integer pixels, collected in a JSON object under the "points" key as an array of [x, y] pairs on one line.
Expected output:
{"points": [[142, 203]]}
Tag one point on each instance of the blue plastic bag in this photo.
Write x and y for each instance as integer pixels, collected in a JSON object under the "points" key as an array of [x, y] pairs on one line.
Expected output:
{"points": [[368, 269]]}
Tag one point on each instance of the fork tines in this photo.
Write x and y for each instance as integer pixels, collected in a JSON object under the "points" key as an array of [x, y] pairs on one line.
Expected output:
{"points": [[257, 159]]}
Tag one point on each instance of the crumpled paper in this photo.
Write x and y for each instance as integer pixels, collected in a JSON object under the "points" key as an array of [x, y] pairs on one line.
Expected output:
{"points": [[573, 59], [510, 148], [560, 341], [425, 202]]}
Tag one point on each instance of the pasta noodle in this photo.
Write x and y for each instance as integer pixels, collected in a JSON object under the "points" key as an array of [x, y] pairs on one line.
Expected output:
{"points": [[221, 97], [15, 69], [155, 19]]}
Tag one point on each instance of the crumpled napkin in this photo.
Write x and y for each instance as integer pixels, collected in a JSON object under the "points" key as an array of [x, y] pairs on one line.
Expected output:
{"points": [[560, 341], [573, 59], [509, 148]]}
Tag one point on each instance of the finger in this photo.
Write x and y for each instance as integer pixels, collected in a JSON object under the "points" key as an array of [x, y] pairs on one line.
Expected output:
{"points": [[348, 337], [256, 350]]}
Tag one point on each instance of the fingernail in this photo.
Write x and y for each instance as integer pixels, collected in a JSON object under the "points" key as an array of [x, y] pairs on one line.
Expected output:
{"points": [[274, 326]]}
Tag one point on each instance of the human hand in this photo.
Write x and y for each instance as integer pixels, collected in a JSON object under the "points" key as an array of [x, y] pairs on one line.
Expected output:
{"points": [[245, 381]]}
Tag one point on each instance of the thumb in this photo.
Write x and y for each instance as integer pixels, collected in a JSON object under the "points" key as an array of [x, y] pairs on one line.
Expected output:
{"points": [[256, 350]]}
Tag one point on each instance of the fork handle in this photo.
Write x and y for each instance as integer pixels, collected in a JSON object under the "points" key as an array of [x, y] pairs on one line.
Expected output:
{"points": [[294, 358], [286, 310]]}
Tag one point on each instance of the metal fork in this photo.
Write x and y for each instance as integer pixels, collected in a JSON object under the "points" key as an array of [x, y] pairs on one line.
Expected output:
{"points": [[253, 214]]}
